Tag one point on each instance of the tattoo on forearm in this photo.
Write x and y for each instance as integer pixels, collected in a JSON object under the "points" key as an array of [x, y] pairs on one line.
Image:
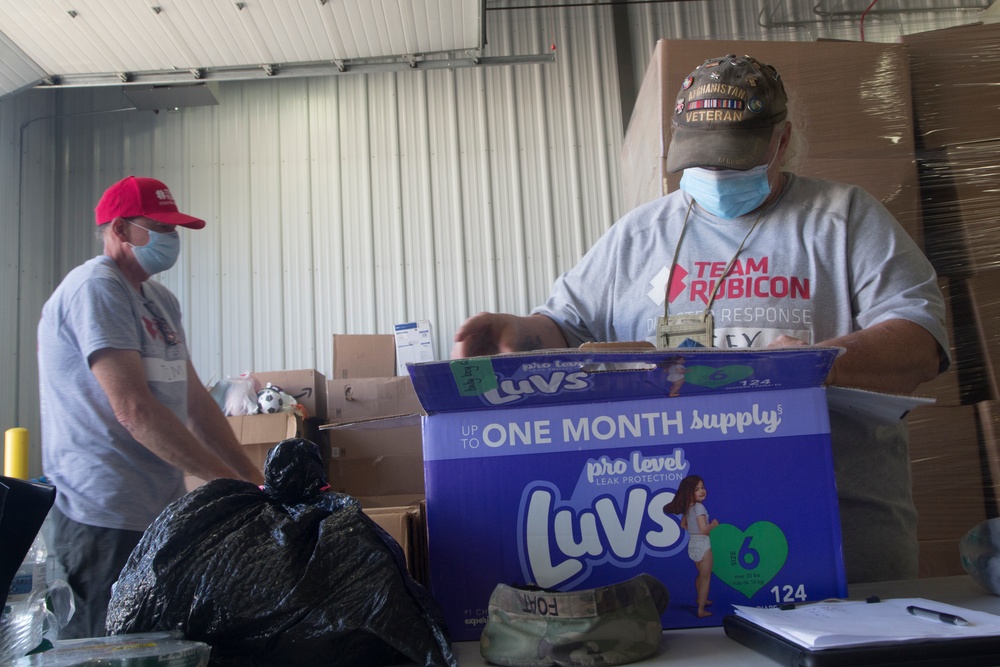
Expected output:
{"points": [[530, 343]]}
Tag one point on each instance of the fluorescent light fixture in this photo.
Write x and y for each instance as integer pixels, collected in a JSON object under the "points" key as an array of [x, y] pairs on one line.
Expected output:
{"points": [[171, 96]]}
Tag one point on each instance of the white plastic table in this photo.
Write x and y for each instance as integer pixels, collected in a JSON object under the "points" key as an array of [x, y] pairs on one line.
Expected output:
{"points": [[710, 647]]}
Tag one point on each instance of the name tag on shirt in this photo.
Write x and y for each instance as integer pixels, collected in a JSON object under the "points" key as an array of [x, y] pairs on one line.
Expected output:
{"points": [[673, 330], [746, 337], [161, 370]]}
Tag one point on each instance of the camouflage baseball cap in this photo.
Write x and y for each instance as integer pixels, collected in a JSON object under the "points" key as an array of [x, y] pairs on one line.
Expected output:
{"points": [[725, 114], [610, 625]]}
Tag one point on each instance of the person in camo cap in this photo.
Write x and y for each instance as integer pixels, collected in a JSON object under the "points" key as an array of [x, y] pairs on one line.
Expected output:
{"points": [[776, 259]]}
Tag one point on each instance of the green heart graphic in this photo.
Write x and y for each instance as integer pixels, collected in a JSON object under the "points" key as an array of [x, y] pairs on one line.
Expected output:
{"points": [[707, 376], [748, 560]]}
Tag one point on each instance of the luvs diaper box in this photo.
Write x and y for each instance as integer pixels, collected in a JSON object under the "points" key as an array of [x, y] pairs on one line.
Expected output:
{"points": [[558, 469]]}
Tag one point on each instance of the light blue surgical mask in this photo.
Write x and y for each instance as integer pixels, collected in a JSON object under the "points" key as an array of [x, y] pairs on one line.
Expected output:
{"points": [[160, 253], [727, 193]]}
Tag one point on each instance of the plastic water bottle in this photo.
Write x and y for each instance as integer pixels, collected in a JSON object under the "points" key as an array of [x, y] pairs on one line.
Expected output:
{"points": [[23, 616]]}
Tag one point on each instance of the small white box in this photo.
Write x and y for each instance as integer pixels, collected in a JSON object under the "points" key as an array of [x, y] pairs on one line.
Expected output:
{"points": [[413, 344]]}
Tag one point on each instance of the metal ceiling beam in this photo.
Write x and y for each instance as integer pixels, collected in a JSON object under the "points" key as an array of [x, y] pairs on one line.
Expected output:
{"points": [[547, 4], [286, 71], [766, 18]]}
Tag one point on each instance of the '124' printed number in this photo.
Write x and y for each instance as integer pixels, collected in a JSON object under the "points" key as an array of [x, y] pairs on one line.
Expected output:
{"points": [[787, 593]]}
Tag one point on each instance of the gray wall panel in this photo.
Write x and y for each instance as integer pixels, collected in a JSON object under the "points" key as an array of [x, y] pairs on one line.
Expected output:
{"points": [[27, 253]]}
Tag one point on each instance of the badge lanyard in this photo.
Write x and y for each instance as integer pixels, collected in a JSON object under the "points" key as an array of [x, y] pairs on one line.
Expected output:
{"points": [[672, 330]]}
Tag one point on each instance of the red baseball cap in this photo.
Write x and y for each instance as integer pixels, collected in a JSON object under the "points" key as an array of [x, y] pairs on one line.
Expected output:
{"points": [[147, 197]]}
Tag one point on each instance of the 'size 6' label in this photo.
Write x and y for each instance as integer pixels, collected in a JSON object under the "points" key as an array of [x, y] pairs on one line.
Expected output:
{"points": [[748, 560]]}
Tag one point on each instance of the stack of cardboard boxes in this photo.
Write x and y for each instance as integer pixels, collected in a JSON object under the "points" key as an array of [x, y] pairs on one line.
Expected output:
{"points": [[381, 467], [380, 464]]}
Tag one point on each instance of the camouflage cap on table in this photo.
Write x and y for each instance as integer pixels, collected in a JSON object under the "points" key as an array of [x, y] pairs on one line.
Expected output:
{"points": [[610, 625]]}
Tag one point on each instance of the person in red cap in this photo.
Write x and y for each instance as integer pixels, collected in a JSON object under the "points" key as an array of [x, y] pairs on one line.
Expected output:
{"points": [[748, 255], [124, 414]]}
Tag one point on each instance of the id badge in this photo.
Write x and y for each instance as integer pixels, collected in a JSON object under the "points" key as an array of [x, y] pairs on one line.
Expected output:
{"points": [[673, 330]]}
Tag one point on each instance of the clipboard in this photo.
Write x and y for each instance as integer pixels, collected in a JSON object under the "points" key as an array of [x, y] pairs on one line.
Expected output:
{"points": [[969, 652]]}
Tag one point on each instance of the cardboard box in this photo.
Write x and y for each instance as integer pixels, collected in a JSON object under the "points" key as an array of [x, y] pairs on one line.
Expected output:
{"points": [[953, 73], [259, 433], [363, 356], [554, 468], [946, 387], [264, 429], [307, 386], [939, 558], [377, 456], [414, 344], [864, 138], [376, 438], [376, 459], [949, 488], [365, 398], [961, 200], [398, 500], [378, 476], [408, 526], [989, 424], [967, 343], [984, 293]]}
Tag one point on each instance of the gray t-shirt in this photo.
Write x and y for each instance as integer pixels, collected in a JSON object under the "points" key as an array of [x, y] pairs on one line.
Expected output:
{"points": [[104, 477], [825, 260]]}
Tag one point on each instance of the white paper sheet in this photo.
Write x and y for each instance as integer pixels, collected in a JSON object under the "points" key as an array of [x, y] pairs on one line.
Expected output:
{"points": [[838, 623]]}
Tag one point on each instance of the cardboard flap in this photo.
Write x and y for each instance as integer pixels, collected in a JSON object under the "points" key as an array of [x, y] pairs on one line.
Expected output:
{"points": [[375, 423], [559, 377], [365, 398], [884, 408]]}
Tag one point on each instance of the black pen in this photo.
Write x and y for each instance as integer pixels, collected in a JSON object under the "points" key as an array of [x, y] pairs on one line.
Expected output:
{"points": [[937, 615]]}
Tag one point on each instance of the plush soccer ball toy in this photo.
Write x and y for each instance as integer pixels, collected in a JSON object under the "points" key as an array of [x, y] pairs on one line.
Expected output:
{"points": [[270, 399]]}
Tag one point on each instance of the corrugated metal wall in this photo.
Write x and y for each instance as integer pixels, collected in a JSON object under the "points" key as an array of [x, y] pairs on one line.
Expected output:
{"points": [[26, 258], [346, 204]]}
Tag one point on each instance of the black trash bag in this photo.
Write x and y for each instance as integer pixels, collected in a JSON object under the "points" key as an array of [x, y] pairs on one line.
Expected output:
{"points": [[288, 575]]}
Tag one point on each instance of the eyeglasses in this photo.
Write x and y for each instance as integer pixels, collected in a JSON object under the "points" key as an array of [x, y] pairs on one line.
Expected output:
{"points": [[153, 226], [169, 335]]}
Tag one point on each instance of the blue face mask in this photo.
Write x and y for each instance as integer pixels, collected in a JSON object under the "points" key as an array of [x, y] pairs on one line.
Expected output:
{"points": [[160, 253], [727, 193]]}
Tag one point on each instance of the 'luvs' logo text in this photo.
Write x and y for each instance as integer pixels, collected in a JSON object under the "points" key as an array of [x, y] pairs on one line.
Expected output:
{"points": [[558, 544], [510, 391]]}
